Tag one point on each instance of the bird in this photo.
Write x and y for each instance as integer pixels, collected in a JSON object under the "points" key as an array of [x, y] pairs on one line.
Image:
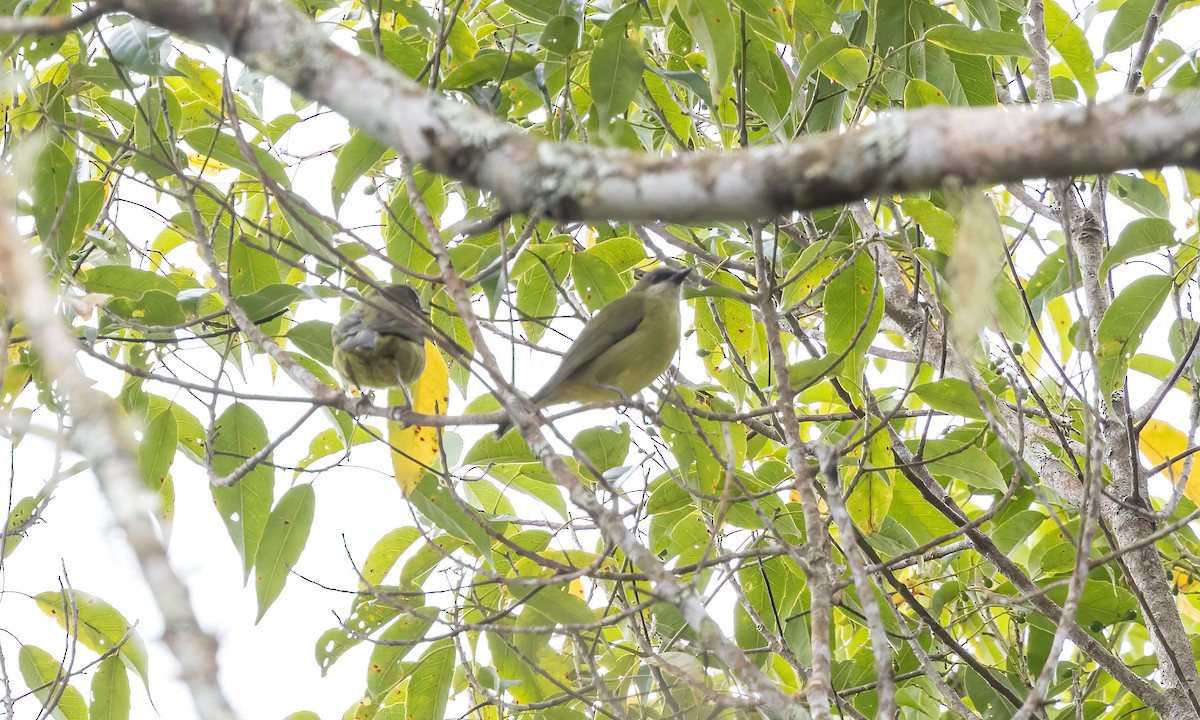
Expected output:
{"points": [[622, 349], [380, 341]]}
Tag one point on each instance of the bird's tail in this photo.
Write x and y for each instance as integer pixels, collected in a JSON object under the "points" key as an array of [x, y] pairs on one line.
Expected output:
{"points": [[502, 428]]}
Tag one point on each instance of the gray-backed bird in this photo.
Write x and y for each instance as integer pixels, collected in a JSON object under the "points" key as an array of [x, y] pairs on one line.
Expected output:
{"points": [[380, 342]]}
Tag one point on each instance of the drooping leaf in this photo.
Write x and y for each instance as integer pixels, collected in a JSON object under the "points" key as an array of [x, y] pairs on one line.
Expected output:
{"points": [[101, 628], [46, 677], [1160, 441], [110, 691], [238, 436], [283, 539], [415, 449], [434, 678], [1123, 326], [1142, 236], [979, 42], [615, 71]]}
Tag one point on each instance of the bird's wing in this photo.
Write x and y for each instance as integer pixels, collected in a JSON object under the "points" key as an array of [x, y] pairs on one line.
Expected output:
{"points": [[621, 319], [350, 332], [398, 312]]}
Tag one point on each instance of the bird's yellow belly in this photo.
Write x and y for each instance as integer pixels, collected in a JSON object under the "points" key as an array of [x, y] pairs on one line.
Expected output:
{"points": [[391, 364], [628, 366]]}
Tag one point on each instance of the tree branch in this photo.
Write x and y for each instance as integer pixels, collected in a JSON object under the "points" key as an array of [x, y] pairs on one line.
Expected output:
{"points": [[900, 152]]}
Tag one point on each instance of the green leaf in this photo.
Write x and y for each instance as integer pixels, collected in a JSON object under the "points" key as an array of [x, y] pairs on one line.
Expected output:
{"points": [[853, 311], [433, 679], [978, 42], [308, 230], [263, 304], [596, 282], [156, 452], [951, 395], [936, 222], [712, 26], [153, 308], [357, 156], [987, 12], [405, 239], [952, 460], [406, 52], [18, 523], [974, 74], [489, 66], [367, 614], [490, 449], [560, 606], [1123, 326], [1053, 277], [189, 430], [606, 448], [1139, 194], [848, 68], [384, 554], [1159, 369], [1011, 315], [537, 301], [1179, 339], [615, 73], [244, 507], [1162, 58], [250, 269], [393, 645], [80, 211], [101, 628], [53, 170], [142, 48], [818, 54], [436, 503], [45, 676], [1128, 25], [219, 146], [918, 93], [314, 338], [1016, 529], [110, 691], [621, 253], [1068, 40], [1142, 236], [561, 34], [426, 558], [538, 10], [871, 498], [283, 539], [122, 281]]}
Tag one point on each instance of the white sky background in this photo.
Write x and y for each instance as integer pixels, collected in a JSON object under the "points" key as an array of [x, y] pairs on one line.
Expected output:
{"points": [[270, 670]]}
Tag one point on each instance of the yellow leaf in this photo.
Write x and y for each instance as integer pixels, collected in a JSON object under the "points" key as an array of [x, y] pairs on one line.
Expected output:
{"points": [[414, 448], [1159, 441], [205, 164], [576, 589]]}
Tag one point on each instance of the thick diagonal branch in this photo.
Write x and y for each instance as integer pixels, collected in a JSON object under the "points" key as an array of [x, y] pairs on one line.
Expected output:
{"points": [[900, 152]]}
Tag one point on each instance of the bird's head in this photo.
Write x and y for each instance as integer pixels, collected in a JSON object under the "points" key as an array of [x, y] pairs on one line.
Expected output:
{"points": [[662, 282]]}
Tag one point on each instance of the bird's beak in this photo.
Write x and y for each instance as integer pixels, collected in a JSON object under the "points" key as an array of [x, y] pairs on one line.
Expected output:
{"points": [[681, 275]]}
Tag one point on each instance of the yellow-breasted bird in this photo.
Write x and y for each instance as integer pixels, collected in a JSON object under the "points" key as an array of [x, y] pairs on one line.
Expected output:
{"points": [[380, 342], [625, 345]]}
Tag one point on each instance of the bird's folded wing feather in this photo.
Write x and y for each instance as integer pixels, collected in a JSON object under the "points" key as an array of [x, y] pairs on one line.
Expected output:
{"points": [[620, 320], [350, 333], [394, 321]]}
